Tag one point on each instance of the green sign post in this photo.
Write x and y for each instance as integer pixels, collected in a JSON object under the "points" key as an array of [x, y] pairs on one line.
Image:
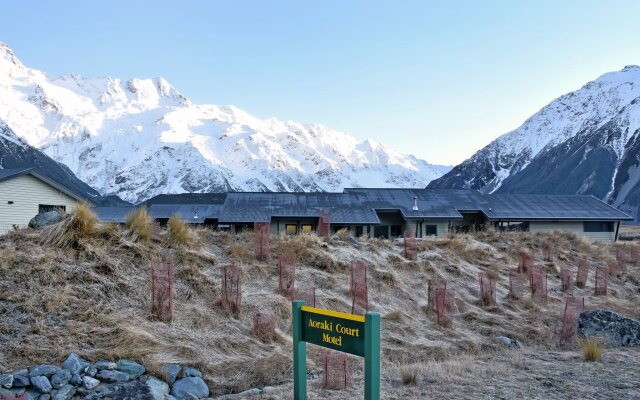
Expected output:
{"points": [[353, 334]]}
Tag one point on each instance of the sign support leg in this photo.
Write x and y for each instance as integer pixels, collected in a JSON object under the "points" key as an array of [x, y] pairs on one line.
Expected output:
{"points": [[371, 356], [299, 354]]}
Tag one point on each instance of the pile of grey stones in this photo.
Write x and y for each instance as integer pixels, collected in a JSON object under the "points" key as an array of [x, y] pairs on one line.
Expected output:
{"points": [[124, 379]]}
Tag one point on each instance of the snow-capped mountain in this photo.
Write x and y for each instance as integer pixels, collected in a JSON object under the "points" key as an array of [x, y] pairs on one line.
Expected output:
{"points": [[141, 137], [585, 142], [15, 153]]}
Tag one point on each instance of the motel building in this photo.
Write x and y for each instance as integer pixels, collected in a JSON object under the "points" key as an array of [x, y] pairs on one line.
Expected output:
{"points": [[388, 213]]}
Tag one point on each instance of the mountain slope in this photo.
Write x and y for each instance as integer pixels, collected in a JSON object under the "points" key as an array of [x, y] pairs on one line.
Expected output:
{"points": [[141, 138], [585, 142], [15, 153]]}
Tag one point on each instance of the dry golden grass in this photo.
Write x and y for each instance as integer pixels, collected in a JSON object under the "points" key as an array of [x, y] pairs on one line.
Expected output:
{"points": [[178, 233], [140, 224], [95, 300], [409, 374], [591, 349], [343, 233], [239, 252], [74, 228]]}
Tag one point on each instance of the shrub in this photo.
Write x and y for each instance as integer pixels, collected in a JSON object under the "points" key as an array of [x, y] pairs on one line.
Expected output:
{"points": [[178, 232], [139, 223], [591, 350]]}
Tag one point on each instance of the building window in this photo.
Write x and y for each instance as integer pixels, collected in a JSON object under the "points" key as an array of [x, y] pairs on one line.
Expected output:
{"points": [[431, 230], [381, 231], [291, 229], [359, 231], [598, 226], [306, 228], [396, 230], [42, 208]]}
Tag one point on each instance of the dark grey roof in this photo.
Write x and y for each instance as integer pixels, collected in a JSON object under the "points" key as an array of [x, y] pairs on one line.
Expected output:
{"points": [[430, 204], [187, 198], [190, 213], [345, 208], [116, 215], [358, 206], [6, 174], [550, 207]]}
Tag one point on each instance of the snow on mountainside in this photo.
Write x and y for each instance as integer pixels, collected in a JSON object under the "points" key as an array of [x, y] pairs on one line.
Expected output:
{"points": [[585, 142], [16, 154], [140, 138]]}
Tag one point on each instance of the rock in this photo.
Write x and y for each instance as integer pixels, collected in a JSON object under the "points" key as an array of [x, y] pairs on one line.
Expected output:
{"points": [[44, 370], [159, 389], [191, 372], [44, 397], [21, 380], [32, 394], [611, 327], [46, 218], [89, 382], [172, 371], [75, 364], [65, 393], [61, 378], [91, 371], [6, 380], [76, 380], [187, 388], [131, 390], [102, 364], [41, 383], [131, 368], [509, 342], [112, 376]]}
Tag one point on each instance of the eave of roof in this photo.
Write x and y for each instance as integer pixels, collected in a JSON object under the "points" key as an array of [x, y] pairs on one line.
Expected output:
{"points": [[31, 171]]}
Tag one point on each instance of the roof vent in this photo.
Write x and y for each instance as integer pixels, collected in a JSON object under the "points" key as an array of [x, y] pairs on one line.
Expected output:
{"points": [[415, 203], [195, 214]]}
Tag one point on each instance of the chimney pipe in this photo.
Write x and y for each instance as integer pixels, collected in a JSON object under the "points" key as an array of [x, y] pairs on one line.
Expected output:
{"points": [[415, 203]]}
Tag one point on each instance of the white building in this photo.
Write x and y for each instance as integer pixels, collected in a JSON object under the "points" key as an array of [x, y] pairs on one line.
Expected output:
{"points": [[25, 193]]}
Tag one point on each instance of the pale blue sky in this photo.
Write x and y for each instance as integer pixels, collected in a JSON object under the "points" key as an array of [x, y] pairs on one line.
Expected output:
{"points": [[436, 79]]}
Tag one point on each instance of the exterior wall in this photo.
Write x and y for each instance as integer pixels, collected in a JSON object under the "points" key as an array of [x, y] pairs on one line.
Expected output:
{"points": [[279, 226], [576, 227], [442, 227], [27, 192]]}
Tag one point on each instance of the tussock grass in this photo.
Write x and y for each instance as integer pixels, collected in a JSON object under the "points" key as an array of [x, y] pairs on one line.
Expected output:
{"points": [[591, 349], [343, 233], [409, 374], [95, 300], [78, 226], [178, 233], [239, 252], [139, 224]]}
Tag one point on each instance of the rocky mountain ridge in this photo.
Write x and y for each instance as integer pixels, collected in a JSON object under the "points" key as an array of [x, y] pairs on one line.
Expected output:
{"points": [[141, 137]]}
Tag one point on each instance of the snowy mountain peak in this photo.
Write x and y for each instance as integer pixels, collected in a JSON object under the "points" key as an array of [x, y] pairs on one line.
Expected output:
{"points": [[631, 68], [584, 142], [140, 137], [9, 63]]}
